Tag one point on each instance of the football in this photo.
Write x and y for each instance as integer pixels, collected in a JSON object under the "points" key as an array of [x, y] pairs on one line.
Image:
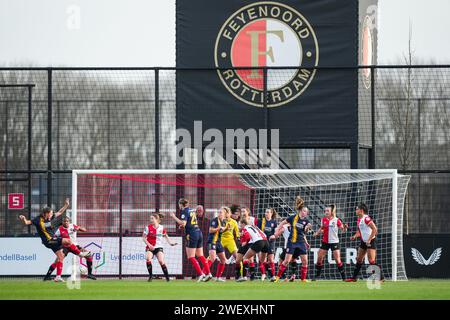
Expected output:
{"points": [[83, 270]]}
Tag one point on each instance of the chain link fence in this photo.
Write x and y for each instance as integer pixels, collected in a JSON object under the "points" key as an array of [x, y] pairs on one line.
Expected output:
{"points": [[126, 119]]}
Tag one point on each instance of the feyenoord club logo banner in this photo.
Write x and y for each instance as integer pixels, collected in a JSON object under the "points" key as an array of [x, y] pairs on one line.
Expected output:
{"points": [[266, 34], [305, 104]]}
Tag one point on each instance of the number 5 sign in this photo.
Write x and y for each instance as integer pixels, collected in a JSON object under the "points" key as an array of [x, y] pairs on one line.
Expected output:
{"points": [[15, 201]]}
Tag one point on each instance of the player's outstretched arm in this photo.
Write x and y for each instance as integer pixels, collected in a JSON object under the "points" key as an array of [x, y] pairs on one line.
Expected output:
{"points": [[279, 230], [63, 209], [318, 232], [343, 227], [24, 220], [355, 236], [214, 230], [169, 241], [178, 221]]}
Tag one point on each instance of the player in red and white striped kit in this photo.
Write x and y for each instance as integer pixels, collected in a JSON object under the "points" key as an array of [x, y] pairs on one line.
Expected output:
{"points": [[367, 231], [68, 230], [253, 241], [329, 228], [252, 221], [152, 237]]}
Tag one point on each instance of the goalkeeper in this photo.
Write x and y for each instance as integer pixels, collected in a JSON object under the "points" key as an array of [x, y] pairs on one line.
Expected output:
{"points": [[231, 235]]}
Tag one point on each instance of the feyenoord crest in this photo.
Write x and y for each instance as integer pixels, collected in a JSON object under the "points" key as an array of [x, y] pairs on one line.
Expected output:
{"points": [[266, 34]]}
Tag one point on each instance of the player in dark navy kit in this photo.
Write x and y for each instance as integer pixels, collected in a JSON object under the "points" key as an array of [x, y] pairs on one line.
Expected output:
{"points": [[217, 227], [46, 230], [194, 238], [297, 243], [268, 224]]}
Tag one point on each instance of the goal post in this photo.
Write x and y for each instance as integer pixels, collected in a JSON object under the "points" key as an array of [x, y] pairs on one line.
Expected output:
{"points": [[96, 205]]}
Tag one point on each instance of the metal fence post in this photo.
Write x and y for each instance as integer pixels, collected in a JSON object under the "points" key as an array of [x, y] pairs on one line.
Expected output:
{"points": [[49, 135], [265, 105], [120, 224], [419, 160], [157, 140], [108, 110], [372, 156], [30, 148], [6, 158]]}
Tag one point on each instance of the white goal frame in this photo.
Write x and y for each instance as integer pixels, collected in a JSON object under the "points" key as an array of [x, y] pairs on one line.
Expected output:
{"points": [[392, 172]]}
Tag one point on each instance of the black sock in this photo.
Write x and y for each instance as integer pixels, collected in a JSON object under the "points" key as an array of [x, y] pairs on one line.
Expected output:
{"points": [[341, 271], [50, 270], [150, 268], [238, 270], [381, 272], [251, 270], [319, 268], [164, 269], [245, 269], [357, 269], [89, 266]]}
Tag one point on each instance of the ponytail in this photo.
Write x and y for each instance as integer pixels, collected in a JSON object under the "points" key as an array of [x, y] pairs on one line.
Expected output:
{"points": [[299, 203]]}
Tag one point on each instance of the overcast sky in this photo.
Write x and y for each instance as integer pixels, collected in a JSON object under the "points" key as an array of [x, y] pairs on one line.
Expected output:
{"points": [[142, 32]]}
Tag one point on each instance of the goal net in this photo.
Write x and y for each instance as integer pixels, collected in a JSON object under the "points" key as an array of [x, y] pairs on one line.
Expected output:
{"points": [[115, 207]]}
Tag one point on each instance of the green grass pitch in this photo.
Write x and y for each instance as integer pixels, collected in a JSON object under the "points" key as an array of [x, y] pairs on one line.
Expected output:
{"points": [[180, 289]]}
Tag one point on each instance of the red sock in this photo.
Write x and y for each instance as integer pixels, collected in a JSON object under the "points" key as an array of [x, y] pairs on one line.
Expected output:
{"points": [[304, 272], [204, 267], [53, 266], [281, 270], [205, 264], [262, 267], [272, 267], [210, 263], [196, 265], [73, 248], [220, 269], [59, 267], [89, 258], [340, 264], [251, 265]]}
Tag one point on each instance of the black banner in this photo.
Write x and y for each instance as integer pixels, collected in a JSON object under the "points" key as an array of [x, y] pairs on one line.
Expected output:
{"points": [[307, 105], [427, 255]]}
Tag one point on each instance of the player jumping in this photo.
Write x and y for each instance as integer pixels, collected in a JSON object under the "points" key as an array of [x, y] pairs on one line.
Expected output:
{"points": [[297, 243], [194, 238], [329, 227]]}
